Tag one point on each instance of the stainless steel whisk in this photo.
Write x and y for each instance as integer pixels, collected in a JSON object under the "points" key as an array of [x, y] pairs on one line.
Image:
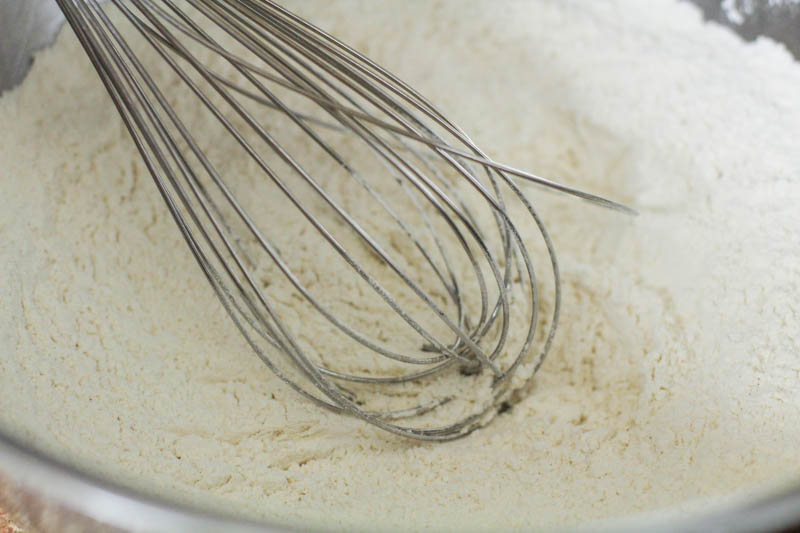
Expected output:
{"points": [[420, 220]]}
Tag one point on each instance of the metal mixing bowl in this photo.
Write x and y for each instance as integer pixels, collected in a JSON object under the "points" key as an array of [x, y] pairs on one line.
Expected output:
{"points": [[47, 496]]}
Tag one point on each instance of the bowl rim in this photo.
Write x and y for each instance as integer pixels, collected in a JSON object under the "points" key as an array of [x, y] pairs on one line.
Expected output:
{"points": [[63, 485], [108, 503]]}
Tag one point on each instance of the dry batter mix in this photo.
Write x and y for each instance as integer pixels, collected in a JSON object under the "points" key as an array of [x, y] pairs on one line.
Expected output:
{"points": [[675, 373]]}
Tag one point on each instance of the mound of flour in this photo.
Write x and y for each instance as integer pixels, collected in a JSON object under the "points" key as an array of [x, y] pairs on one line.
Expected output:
{"points": [[675, 374]]}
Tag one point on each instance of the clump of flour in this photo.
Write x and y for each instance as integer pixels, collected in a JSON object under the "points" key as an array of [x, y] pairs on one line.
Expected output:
{"points": [[674, 375]]}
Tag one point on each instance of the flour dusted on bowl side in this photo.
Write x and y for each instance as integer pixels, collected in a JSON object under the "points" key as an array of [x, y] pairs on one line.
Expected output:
{"points": [[674, 377]]}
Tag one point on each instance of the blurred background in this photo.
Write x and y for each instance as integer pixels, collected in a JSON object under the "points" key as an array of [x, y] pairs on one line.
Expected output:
{"points": [[778, 19]]}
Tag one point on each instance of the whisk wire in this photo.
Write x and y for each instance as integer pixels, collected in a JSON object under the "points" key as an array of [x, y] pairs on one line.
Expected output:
{"points": [[463, 316]]}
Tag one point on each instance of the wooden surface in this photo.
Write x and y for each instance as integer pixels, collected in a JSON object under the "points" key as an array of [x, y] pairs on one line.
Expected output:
{"points": [[5, 524]]}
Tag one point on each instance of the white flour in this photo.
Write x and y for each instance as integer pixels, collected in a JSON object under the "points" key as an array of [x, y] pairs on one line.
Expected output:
{"points": [[675, 374]]}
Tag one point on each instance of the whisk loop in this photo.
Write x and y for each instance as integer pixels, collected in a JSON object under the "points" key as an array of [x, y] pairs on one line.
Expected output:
{"points": [[423, 280]]}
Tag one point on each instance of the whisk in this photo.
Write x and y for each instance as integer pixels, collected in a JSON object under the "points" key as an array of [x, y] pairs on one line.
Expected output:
{"points": [[425, 285]]}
